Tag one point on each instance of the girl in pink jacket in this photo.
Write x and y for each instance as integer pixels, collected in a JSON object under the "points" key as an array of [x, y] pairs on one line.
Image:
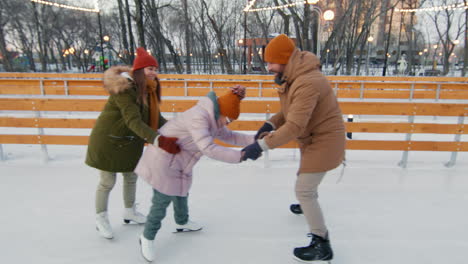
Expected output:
{"points": [[170, 175]]}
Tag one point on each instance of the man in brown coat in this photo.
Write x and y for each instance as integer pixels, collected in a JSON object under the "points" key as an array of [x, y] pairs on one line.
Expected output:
{"points": [[309, 114]]}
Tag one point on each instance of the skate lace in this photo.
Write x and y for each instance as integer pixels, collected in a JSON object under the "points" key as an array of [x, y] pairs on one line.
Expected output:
{"points": [[313, 241]]}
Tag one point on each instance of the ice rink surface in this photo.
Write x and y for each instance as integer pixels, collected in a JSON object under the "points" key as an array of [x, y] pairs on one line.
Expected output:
{"points": [[378, 213]]}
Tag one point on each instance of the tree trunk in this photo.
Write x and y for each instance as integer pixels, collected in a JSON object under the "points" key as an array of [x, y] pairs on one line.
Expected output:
{"points": [[220, 43], [123, 32], [130, 32], [308, 45], [139, 23], [38, 25], [3, 51], [286, 19], [465, 60], [188, 50]]}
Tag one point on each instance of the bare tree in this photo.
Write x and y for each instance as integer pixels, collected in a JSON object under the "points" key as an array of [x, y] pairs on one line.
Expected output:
{"points": [[140, 23], [123, 30], [465, 57], [448, 31], [188, 37], [5, 11], [218, 23]]}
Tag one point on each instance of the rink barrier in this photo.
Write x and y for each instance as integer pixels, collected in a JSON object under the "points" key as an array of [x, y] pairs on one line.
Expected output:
{"points": [[356, 87], [38, 107]]}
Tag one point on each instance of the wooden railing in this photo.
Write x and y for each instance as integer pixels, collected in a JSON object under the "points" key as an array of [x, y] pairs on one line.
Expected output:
{"points": [[71, 106], [434, 88]]}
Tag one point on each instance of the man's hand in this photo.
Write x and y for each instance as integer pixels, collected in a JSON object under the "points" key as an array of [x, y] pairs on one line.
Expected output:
{"points": [[267, 127], [168, 144], [264, 134], [252, 151]]}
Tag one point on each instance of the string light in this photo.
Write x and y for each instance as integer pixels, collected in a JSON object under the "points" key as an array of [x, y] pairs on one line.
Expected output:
{"points": [[434, 8], [250, 4], [95, 10]]}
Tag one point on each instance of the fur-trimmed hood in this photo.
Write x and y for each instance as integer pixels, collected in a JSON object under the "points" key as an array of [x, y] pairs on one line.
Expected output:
{"points": [[116, 79]]}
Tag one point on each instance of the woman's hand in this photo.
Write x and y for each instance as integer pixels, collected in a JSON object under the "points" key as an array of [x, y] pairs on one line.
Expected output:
{"points": [[168, 144]]}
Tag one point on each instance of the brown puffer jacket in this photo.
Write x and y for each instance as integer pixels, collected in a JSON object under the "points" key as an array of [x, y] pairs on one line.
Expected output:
{"points": [[310, 114]]}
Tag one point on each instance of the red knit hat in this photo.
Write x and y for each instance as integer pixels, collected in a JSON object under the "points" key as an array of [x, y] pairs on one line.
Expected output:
{"points": [[229, 105], [279, 50], [144, 59]]}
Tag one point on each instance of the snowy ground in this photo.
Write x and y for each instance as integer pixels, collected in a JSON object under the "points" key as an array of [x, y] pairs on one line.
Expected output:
{"points": [[377, 214]]}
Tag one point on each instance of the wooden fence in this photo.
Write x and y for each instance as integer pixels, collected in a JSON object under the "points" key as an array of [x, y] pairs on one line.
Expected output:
{"points": [[66, 87], [434, 88]]}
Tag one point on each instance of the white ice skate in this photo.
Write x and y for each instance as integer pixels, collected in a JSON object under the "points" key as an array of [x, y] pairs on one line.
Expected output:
{"points": [[190, 226], [103, 226], [147, 248], [131, 214]]}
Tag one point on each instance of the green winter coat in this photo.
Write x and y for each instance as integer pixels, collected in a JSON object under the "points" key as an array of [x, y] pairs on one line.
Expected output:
{"points": [[121, 130]]}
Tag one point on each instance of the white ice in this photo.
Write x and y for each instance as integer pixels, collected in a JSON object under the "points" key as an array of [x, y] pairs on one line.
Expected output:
{"points": [[378, 213]]}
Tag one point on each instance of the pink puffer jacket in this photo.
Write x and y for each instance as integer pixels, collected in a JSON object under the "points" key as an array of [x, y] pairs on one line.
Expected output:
{"points": [[196, 130]]}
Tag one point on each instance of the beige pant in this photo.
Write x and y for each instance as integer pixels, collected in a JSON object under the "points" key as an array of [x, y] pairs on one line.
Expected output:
{"points": [[106, 184], [307, 195]]}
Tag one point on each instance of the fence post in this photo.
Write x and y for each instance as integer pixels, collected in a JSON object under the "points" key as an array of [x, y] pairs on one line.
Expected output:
{"points": [[65, 85], [335, 89], [411, 96], [266, 160], [453, 156], [174, 110], [361, 91], [437, 96], [185, 88], [2, 158], [437, 93], [260, 88], [40, 132], [404, 159], [41, 86]]}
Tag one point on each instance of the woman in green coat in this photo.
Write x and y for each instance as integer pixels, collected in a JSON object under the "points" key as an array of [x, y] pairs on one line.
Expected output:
{"points": [[130, 118]]}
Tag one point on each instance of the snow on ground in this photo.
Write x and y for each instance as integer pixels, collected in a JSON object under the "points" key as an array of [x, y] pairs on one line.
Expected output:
{"points": [[378, 213]]}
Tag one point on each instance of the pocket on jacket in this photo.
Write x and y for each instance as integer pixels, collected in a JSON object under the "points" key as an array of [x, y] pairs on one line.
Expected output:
{"points": [[121, 140]]}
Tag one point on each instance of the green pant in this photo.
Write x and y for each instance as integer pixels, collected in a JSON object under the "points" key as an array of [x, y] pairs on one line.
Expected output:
{"points": [[158, 212], [106, 184]]}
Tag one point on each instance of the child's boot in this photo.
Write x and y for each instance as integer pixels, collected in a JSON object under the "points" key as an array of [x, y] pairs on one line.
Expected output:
{"points": [[131, 214], [190, 226], [147, 248], [103, 225]]}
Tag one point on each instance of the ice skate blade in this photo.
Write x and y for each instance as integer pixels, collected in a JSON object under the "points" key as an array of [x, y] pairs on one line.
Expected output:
{"points": [[313, 261], [132, 222], [184, 230]]}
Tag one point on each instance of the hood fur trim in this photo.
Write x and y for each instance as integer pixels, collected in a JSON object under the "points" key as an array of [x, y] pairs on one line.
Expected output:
{"points": [[114, 81]]}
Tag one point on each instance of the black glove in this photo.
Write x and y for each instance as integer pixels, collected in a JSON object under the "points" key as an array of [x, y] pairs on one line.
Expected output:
{"points": [[252, 151], [267, 127]]}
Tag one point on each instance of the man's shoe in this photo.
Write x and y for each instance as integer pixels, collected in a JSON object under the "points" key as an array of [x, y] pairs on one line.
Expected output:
{"points": [[318, 250]]}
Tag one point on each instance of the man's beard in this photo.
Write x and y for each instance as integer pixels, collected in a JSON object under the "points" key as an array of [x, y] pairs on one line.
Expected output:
{"points": [[278, 78]]}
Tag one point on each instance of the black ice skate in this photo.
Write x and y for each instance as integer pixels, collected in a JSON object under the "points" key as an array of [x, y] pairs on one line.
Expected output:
{"points": [[319, 251], [296, 209]]}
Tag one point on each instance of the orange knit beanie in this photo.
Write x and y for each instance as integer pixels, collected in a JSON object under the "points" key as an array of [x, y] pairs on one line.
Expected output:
{"points": [[279, 50], [229, 105], [144, 59]]}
